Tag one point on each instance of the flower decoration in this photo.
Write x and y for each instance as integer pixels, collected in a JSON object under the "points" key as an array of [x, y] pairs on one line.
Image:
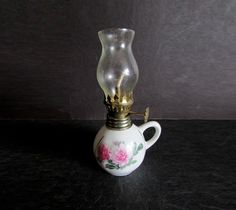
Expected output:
{"points": [[118, 156]]}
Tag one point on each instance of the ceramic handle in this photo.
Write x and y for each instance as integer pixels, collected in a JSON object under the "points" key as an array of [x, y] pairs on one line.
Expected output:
{"points": [[156, 135]]}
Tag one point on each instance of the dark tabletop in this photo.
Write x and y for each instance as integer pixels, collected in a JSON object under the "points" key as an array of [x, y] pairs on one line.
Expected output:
{"points": [[50, 165]]}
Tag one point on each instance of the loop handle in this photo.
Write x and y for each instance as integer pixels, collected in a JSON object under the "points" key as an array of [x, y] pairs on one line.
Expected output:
{"points": [[156, 135]]}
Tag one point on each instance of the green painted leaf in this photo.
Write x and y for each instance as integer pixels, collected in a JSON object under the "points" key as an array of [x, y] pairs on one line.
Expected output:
{"points": [[135, 149], [140, 146], [133, 161], [130, 160], [110, 166]]}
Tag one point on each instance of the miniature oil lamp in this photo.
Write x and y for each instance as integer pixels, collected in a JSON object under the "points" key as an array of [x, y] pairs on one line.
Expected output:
{"points": [[119, 145]]}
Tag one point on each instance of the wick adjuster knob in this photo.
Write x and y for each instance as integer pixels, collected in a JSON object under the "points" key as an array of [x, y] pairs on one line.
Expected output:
{"points": [[145, 114]]}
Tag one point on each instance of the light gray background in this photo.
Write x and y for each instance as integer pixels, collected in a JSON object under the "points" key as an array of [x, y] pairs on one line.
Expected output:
{"points": [[186, 52]]}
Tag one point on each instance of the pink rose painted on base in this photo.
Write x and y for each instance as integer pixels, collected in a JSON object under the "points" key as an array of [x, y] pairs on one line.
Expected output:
{"points": [[103, 152], [117, 156], [120, 156]]}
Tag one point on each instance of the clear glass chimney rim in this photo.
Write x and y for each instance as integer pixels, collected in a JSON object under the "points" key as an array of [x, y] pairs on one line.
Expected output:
{"points": [[116, 36], [115, 30]]}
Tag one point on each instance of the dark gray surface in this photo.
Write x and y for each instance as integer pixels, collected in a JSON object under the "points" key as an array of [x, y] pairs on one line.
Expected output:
{"points": [[49, 50], [50, 165]]}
